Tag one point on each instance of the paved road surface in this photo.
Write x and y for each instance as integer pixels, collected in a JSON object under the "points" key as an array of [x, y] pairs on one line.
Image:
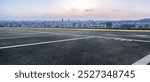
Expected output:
{"points": [[36, 46]]}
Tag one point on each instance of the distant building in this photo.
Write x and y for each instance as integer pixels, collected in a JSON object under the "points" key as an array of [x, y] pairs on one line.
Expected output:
{"points": [[76, 24], [109, 24]]}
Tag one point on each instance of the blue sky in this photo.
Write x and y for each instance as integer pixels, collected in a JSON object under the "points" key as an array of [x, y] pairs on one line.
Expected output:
{"points": [[74, 9]]}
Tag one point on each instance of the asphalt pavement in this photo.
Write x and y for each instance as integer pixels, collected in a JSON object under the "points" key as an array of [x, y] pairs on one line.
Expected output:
{"points": [[45, 46]]}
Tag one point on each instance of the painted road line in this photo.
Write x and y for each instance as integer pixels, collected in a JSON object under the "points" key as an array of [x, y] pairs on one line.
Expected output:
{"points": [[113, 38], [141, 36], [123, 39], [144, 61], [126, 30], [132, 40], [41, 43]]}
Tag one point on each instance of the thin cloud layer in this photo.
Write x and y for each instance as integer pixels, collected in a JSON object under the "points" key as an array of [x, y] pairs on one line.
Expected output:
{"points": [[75, 9]]}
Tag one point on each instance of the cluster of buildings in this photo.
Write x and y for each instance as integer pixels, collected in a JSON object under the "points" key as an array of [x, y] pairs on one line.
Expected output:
{"points": [[76, 24]]}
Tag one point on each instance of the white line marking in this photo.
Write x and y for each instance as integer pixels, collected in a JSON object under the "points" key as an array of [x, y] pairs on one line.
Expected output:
{"points": [[144, 61], [126, 30], [40, 43], [113, 38], [141, 36], [123, 39]]}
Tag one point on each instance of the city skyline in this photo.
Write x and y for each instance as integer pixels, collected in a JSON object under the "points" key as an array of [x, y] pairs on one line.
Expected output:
{"points": [[74, 9]]}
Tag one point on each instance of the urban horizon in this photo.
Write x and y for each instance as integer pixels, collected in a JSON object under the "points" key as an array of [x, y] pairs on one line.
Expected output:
{"points": [[142, 23]]}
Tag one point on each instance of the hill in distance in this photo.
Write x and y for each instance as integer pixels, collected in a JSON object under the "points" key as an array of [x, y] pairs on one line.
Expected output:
{"points": [[144, 20]]}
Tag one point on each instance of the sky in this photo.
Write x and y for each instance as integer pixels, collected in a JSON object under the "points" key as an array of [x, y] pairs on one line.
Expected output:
{"points": [[74, 9]]}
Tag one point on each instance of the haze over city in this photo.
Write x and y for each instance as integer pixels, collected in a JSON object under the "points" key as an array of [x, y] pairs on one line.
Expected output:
{"points": [[74, 9]]}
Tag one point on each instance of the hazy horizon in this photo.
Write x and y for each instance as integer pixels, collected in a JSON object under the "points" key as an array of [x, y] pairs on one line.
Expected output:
{"points": [[74, 9]]}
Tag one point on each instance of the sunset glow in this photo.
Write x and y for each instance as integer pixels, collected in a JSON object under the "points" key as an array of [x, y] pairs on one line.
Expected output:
{"points": [[74, 9], [80, 4]]}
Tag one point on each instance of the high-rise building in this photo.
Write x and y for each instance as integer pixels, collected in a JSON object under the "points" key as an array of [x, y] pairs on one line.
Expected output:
{"points": [[109, 24]]}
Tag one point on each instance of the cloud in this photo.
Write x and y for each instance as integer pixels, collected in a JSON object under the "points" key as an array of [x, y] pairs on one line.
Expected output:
{"points": [[89, 10]]}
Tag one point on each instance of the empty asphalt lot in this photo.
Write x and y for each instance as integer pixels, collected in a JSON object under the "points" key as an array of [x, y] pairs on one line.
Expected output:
{"points": [[45, 46]]}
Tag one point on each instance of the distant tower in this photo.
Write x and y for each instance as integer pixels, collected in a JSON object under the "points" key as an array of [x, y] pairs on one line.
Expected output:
{"points": [[68, 23], [109, 24], [62, 20]]}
